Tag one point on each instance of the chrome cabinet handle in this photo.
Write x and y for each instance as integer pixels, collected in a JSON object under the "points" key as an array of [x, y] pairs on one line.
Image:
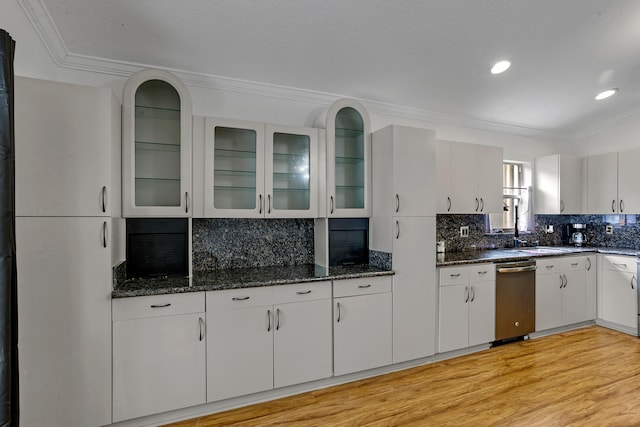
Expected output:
{"points": [[364, 286], [240, 298], [621, 205], [561, 282], [566, 281], [268, 320], [277, 319], [260, 204], [104, 199], [201, 326], [105, 230], [477, 204], [482, 273], [574, 264], [168, 304], [269, 203], [397, 203], [549, 267], [561, 206], [331, 200], [613, 206], [448, 204], [473, 294], [481, 204], [339, 312], [397, 229], [588, 264], [620, 265], [186, 202], [455, 275], [466, 294], [632, 279], [303, 292]]}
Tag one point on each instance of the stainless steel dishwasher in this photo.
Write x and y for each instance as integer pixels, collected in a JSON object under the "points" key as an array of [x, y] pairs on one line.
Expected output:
{"points": [[515, 300]]}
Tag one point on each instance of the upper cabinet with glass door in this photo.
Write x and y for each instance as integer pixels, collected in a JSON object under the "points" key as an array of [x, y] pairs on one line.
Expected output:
{"points": [[348, 148], [254, 170], [156, 143]]}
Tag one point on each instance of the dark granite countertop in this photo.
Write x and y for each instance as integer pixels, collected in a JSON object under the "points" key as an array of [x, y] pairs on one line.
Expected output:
{"points": [[234, 278], [506, 255]]}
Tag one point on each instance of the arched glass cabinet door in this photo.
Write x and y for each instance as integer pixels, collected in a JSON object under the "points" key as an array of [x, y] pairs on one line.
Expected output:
{"points": [[348, 139], [156, 146]]}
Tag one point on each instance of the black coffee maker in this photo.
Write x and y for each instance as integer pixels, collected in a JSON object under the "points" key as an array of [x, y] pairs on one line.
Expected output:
{"points": [[575, 234]]}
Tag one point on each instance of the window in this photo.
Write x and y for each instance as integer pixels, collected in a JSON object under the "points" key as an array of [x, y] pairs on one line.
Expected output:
{"points": [[516, 183]]}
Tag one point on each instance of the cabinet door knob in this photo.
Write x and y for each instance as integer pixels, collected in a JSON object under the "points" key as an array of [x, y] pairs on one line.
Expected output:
{"points": [[201, 326], [105, 232], [104, 199]]}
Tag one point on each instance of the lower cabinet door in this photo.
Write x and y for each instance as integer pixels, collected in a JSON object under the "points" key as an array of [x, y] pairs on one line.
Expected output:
{"points": [[158, 364], [302, 342], [548, 301], [239, 351], [619, 299], [574, 298], [482, 313], [361, 332], [454, 317]]}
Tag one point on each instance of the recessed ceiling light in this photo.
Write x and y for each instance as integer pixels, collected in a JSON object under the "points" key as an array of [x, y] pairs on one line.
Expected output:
{"points": [[605, 94], [500, 67]]}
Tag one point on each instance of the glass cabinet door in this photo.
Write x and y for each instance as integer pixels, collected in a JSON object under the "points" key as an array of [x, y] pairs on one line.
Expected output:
{"points": [[157, 145], [234, 169], [291, 172], [349, 160]]}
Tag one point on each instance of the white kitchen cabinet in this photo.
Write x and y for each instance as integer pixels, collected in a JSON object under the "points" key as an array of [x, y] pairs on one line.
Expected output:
{"points": [[362, 330], [591, 281], [611, 184], [253, 170], [557, 184], [64, 320], [561, 291], [261, 338], [466, 306], [348, 159], [158, 354], [64, 136], [619, 291], [403, 224], [156, 146], [469, 178]]}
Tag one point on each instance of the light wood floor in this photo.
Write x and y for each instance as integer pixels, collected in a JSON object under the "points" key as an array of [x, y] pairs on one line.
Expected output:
{"points": [[586, 377]]}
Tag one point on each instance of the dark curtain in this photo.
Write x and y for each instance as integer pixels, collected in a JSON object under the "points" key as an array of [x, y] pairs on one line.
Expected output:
{"points": [[8, 288]]}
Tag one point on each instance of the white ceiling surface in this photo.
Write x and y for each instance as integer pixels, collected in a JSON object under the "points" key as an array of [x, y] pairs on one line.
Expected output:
{"points": [[430, 55]]}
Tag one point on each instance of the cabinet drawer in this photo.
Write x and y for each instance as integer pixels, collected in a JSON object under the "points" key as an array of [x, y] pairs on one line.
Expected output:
{"points": [[361, 286], [619, 263], [454, 275], [236, 298], [482, 273], [157, 305], [302, 292], [551, 265]]}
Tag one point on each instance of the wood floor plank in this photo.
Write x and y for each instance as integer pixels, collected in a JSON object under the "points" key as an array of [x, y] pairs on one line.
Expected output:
{"points": [[585, 377]]}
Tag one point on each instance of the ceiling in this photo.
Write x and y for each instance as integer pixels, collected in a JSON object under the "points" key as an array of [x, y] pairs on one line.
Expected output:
{"points": [[430, 55]]}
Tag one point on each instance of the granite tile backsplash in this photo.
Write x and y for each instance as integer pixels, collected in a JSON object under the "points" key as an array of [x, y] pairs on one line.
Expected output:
{"points": [[240, 243], [626, 231]]}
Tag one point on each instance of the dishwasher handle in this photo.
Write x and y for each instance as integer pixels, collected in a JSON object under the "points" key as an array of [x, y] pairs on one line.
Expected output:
{"points": [[516, 269]]}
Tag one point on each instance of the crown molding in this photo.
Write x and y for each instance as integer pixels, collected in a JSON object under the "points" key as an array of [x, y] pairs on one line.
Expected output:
{"points": [[43, 24]]}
